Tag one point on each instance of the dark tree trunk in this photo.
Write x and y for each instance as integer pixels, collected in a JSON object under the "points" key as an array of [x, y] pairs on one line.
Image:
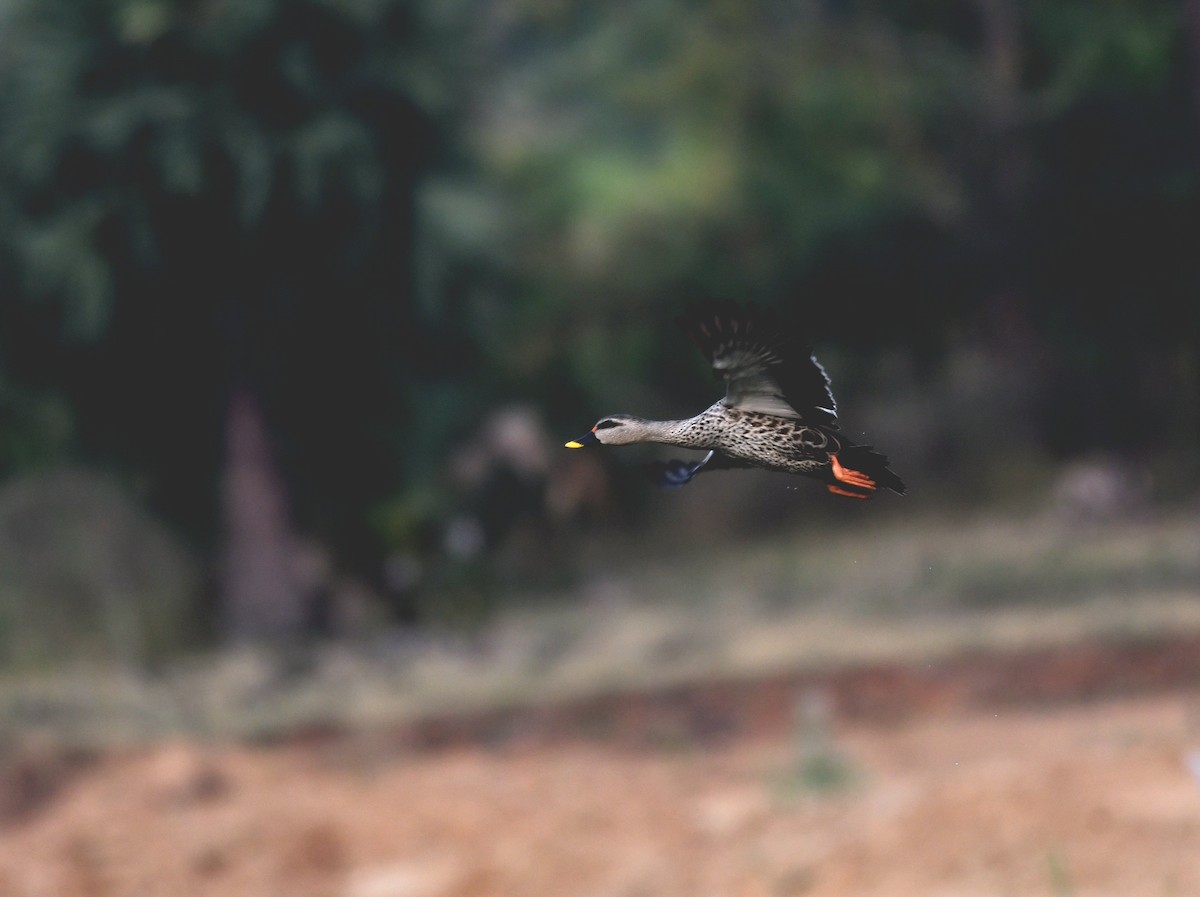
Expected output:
{"points": [[261, 598], [1193, 16]]}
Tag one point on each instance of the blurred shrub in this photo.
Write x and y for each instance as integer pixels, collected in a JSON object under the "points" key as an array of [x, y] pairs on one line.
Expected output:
{"points": [[86, 573]]}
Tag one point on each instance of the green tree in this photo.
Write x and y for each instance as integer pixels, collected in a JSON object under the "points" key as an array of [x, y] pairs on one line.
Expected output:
{"points": [[905, 172], [203, 200]]}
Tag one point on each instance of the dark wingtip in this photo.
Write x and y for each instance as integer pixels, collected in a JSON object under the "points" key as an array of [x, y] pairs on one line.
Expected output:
{"points": [[713, 324], [672, 474], [709, 322]]}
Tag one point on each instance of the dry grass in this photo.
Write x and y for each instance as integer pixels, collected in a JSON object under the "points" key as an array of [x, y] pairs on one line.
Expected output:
{"points": [[895, 592]]}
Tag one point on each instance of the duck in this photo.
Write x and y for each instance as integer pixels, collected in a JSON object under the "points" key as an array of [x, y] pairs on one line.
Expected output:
{"points": [[778, 412]]}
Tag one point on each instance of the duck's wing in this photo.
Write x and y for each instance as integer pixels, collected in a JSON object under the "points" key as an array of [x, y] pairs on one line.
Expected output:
{"points": [[676, 473], [766, 369]]}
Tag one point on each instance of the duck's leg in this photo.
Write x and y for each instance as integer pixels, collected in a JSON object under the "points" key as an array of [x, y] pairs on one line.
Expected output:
{"points": [[674, 474], [860, 484]]}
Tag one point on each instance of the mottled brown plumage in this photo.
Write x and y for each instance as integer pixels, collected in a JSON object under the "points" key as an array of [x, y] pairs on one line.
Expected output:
{"points": [[778, 412]]}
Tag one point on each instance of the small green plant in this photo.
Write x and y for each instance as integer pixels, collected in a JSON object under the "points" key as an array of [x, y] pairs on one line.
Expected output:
{"points": [[1060, 874], [821, 768]]}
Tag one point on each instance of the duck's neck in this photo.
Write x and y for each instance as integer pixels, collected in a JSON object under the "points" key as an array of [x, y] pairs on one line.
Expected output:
{"points": [[687, 433]]}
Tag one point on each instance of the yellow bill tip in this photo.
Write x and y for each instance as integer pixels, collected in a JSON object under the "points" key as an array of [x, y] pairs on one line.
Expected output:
{"points": [[574, 444]]}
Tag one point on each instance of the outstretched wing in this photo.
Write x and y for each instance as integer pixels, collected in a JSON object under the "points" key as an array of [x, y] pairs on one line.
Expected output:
{"points": [[676, 473], [766, 369]]}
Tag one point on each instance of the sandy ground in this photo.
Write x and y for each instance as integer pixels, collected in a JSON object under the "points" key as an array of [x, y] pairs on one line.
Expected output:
{"points": [[1085, 798]]}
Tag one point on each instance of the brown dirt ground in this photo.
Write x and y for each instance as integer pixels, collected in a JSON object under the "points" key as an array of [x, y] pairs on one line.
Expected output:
{"points": [[1014, 783]]}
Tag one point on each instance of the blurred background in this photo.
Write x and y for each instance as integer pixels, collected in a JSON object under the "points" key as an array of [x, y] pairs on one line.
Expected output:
{"points": [[301, 300]]}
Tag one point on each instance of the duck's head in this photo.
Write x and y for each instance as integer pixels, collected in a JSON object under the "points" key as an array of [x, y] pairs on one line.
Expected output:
{"points": [[616, 429]]}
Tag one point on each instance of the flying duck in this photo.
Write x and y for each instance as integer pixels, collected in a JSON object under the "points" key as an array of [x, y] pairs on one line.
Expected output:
{"points": [[778, 412]]}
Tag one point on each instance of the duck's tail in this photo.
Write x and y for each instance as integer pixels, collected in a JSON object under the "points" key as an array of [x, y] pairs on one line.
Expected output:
{"points": [[858, 470]]}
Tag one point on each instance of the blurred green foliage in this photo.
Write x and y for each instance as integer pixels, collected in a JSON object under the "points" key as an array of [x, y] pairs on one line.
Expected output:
{"points": [[387, 216], [87, 573]]}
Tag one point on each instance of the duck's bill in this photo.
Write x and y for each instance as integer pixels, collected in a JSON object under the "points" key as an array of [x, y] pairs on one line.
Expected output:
{"points": [[585, 439]]}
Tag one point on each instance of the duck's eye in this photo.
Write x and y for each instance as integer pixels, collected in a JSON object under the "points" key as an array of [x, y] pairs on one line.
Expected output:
{"points": [[605, 424]]}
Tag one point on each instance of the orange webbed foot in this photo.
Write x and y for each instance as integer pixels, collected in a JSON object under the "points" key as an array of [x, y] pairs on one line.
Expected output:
{"points": [[851, 477], [838, 490]]}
